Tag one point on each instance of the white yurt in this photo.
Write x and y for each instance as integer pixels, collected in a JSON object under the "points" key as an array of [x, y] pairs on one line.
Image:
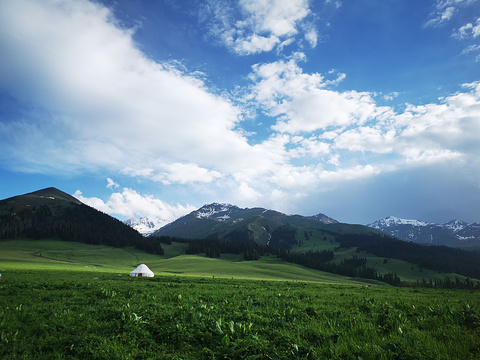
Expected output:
{"points": [[142, 270]]}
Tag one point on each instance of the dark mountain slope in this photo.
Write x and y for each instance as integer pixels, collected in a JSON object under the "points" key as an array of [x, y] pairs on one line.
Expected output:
{"points": [[51, 197], [225, 221], [51, 213]]}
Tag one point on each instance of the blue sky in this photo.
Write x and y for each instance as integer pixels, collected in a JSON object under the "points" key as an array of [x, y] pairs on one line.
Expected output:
{"points": [[355, 109]]}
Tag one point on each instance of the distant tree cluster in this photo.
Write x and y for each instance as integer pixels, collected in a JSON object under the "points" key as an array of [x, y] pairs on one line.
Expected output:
{"points": [[448, 283], [352, 267], [284, 237], [214, 248], [150, 245]]}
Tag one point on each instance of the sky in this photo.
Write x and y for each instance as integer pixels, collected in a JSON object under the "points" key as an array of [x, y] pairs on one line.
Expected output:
{"points": [[355, 109]]}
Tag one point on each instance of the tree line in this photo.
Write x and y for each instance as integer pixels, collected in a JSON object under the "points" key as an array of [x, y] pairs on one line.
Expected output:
{"points": [[448, 283], [318, 260]]}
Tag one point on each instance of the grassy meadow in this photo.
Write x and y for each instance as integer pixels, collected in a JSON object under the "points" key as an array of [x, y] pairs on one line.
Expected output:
{"points": [[72, 301]]}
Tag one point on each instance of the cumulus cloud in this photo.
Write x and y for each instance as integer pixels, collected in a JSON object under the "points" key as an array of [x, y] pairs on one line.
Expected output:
{"points": [[469, 33], [303, 103], [338, 129], [469, 30], [265, 24], [130, 204], [424, 134]]}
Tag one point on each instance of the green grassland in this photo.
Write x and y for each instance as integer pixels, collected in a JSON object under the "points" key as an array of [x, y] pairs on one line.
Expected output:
{"points": [[48, 254], [63, 300], [51, 254], [66, 314]]}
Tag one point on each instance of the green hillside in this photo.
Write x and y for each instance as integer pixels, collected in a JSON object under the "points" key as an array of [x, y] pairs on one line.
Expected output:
{"points": [[64, 256]]}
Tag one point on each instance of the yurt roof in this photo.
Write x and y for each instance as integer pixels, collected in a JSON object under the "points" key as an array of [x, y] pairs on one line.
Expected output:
{"points": [[142, 268]]}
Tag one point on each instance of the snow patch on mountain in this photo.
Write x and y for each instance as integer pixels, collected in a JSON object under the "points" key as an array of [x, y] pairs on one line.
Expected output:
{"points": [[323, 218], [392, 220], [146, 226], [212, 210], [453, 233], [455, 225]]}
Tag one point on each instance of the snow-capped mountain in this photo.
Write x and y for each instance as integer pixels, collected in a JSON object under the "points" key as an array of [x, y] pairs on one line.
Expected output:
{"points": [[392, 221], [323, 218], [146, 226], [216, 211], [453, 233], [220, 220]]}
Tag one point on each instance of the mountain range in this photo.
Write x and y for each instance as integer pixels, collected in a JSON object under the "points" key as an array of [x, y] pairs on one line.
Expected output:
{"points": [[229, 222], [318, 241], [221, 220], [453, 233]]}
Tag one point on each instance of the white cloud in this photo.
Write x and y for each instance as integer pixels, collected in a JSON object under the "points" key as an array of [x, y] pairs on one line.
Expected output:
{"points": [[311, 36], [391, 96], [265, 24], [445, 10], [186, 173], [367, 139], [130, 204], [247, 193], [112, 184], [336, 3], [424, 134], [444, 13], [303, 103], [469, 30], [99, 102]]}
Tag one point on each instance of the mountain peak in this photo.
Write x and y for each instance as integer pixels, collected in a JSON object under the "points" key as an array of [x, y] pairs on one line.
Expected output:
{"points": [[219, 211], [223, 220], [393, 221], [323, 218], [53, 194], [455, 225], [146, 225]]}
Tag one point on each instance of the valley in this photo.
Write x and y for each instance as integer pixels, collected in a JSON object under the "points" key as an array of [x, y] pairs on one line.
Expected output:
{"points": [[223, 240]]}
